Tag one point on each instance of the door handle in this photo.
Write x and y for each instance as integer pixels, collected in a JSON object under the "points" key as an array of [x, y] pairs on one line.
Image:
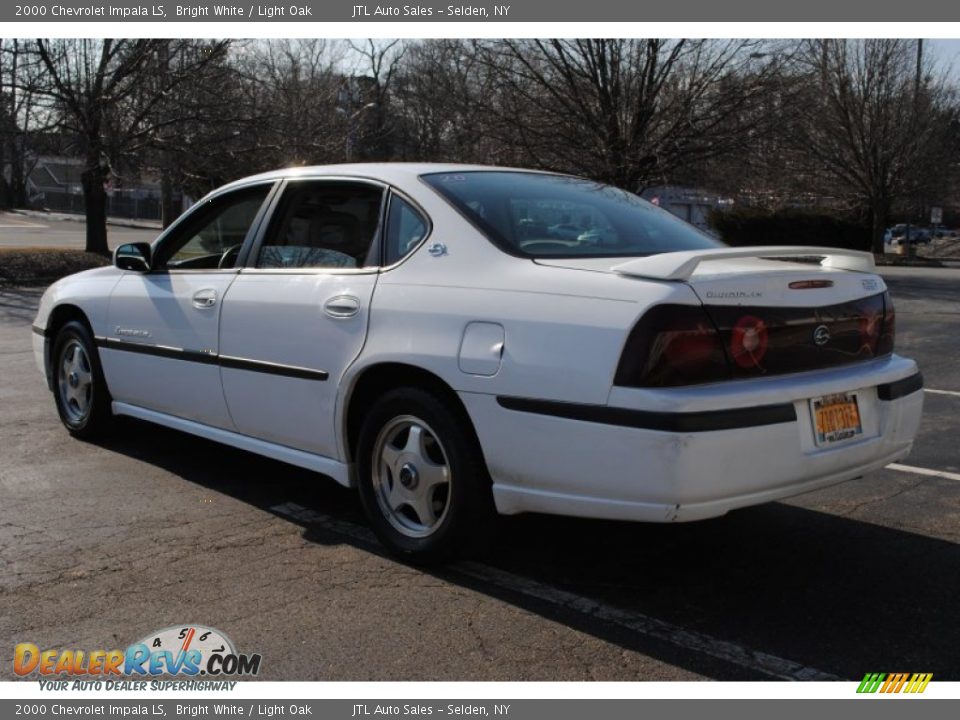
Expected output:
{"points": [[342, 306], [205, 298]]}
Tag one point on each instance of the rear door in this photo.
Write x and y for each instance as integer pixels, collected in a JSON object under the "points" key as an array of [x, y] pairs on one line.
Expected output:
{"points": [[161, 349], [296, 317]]}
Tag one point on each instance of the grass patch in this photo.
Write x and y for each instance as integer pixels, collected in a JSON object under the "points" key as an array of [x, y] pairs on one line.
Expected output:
{"points": [[33, 266]]}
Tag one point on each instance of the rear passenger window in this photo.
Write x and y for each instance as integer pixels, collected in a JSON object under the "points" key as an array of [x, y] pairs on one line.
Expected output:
{"points": [[324, 224], [405, 229]]}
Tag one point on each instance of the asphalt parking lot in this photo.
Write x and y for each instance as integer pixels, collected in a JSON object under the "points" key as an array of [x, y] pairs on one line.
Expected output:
{"points": [[54, 231], [102, 543]]}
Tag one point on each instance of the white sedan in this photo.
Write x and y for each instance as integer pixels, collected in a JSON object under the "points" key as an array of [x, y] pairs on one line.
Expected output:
{"points": [[415, 331]]}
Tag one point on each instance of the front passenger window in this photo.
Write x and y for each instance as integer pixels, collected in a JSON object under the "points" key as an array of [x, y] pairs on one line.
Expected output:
{"points": [[211, 237], [324, 224]]}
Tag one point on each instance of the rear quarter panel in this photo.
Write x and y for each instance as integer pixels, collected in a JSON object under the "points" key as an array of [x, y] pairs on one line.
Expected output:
{"points": [[563, 329]]}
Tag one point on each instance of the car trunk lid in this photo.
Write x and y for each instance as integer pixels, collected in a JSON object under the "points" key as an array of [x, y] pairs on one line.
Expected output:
{"points": [[775, 310]]}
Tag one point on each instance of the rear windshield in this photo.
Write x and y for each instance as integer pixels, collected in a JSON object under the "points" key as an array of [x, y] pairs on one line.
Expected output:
{"points": [[542, 216]]}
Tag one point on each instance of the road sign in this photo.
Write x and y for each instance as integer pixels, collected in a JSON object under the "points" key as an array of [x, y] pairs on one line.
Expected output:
{"points": [[936, 215]]}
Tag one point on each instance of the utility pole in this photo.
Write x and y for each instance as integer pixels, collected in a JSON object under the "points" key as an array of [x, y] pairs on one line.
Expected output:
{"points": [[911, 246], [168, 213], [916, 85]]}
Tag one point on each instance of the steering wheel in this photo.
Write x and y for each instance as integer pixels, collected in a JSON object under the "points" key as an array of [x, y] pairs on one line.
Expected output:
{"points": [[229, 257], [547, 245]]}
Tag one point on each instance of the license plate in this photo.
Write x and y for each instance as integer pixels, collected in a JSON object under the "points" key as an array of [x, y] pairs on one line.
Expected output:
{"points": [[835, 418]]}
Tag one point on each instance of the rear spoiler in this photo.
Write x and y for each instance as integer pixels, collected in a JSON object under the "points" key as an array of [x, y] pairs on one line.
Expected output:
{"points": [[681, 265]]}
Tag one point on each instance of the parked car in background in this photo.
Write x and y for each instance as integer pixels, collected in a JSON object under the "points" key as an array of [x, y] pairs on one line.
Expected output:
{"points": [[912, 234], [408, 331]]}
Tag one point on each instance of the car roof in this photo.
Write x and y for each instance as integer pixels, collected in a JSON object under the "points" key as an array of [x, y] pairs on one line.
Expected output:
{"points": [[390, 172]]}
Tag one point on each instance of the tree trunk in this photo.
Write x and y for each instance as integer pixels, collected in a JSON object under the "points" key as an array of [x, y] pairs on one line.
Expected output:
{"points": [[95, 201], [18, 182], [5, 202], [168, 208], [18, 193], [13, 194], [878, 213]]}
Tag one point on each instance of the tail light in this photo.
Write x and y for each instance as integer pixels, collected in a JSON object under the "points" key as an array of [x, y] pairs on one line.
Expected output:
{"points": [[870, 327], [675, 345], [887, 328], [748, 341], [672, 345], [877, 326]]}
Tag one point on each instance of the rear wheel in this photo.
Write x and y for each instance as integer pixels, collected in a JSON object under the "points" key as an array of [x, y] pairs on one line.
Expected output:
{"points": [[78, 385], [422, 478]]}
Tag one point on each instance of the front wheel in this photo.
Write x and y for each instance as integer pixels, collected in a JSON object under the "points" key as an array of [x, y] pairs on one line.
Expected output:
{"points": [[422, 479], [78, 385]]}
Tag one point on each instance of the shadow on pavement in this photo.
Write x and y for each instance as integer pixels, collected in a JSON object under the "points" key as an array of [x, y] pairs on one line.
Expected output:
{"points": [[842, 596], [19, 303]]}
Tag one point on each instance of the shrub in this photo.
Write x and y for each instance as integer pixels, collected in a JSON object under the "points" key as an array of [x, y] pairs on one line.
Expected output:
{"points": [[753, 226], [36, 266]]}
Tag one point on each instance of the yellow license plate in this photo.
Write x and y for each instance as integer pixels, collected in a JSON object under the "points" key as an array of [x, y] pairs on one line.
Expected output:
{"points": [[835, 418]]}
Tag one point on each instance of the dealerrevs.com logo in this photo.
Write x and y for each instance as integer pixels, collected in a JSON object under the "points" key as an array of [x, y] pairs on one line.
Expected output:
{"points": [[186, 650]]}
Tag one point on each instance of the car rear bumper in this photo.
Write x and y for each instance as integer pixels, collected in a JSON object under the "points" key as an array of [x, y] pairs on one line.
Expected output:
{"points": [[699, 458]]}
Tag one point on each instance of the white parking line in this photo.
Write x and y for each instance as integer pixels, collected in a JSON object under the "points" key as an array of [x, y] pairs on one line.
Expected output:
{"points": [[641, 624], [11, 221], [924, 471], [942, 392], [638, 623]]}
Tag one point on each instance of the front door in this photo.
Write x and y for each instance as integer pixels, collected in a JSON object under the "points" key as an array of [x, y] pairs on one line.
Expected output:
{"points": [[162, 348]]}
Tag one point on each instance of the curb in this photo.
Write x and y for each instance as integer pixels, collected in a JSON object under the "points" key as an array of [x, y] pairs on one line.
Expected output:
{"points": [[68, 217], [935, 263]]}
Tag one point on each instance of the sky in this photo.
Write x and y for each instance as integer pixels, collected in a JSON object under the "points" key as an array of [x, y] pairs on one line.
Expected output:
{"points": [[948, 53]]}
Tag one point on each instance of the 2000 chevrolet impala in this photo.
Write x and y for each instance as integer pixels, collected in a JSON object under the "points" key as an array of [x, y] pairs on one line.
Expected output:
{"points": [[456, 341]]}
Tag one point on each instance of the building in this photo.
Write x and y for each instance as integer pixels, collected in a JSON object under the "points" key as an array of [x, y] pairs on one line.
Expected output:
{"points": [[690, 204]]}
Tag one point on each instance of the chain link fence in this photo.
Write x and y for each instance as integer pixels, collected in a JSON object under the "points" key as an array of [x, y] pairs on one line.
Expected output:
{"points": [[135, 205]]}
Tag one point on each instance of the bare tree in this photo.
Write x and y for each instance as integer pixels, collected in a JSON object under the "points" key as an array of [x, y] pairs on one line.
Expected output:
{"points": [[105, 93], [438, 103], [365, 102], [773, 121], [875, 111], [195, 117], [290, 89], [628, 111], [20, 118]]}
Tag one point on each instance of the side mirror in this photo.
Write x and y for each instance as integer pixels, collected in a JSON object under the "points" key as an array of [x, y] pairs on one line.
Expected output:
{"points": [[133, 256]]}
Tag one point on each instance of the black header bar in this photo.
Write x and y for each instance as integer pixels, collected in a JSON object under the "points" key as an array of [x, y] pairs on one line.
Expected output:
{"points": [[533, 11]]}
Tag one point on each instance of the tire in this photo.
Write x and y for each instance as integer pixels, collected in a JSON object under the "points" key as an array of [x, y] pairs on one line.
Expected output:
{"points": [[422, 479], [79, 388]]}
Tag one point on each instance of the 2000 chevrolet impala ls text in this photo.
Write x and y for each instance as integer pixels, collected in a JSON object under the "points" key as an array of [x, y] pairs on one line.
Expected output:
{"points": [[457, 341]]}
